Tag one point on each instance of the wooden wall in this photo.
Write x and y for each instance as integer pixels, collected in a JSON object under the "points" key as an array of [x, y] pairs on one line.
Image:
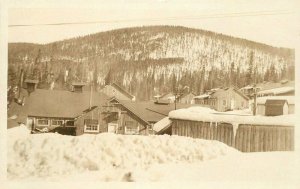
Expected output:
{"points": [[248, 138]]}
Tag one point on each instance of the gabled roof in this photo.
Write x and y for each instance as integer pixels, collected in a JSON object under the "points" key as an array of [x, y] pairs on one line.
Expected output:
{"points": [[59, 103], [230, 88], [276, 102], [262, 100], [148, 111], [123, 91]]}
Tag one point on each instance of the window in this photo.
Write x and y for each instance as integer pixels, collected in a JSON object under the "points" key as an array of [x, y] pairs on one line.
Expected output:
{"points": [[43, 122], [91, 125], [224, 102], [131, 130], [57, 122]]}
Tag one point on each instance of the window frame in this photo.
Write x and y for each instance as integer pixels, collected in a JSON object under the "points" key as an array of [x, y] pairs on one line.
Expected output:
{"points": [[91, 127], [57, 120], [42, 119]]}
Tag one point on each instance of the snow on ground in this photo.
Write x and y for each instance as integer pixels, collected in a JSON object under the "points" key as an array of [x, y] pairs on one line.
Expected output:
{"points": [[110, 157], [104, 157], [209, 115]]}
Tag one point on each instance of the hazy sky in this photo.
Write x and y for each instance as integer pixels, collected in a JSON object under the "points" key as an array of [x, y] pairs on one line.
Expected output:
{"points": [[236, 18]]}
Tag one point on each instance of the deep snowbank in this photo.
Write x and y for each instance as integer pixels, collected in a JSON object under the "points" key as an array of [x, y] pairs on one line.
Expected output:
{"points": [[209, 115], [115, 156]]}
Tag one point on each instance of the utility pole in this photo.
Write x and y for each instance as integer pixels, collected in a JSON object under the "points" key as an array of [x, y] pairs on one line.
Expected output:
{"points": [[254, 103], [255, 93], [175, 95]]}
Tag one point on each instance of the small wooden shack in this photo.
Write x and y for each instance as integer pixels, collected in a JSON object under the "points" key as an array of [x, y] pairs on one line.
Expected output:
{"points": [[276, 107], [224, 99]]}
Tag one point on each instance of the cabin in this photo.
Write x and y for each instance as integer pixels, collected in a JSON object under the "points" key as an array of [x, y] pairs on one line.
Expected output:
{"points": [[138, 117], [114, 90], [60, 111], [276, 105], [223, 100]]}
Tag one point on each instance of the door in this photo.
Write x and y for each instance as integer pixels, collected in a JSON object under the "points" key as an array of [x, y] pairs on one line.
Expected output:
{"points": [[232, 104], [112, 127]]}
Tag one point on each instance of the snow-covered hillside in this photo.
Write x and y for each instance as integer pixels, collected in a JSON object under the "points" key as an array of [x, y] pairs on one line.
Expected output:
{"points": [[144, 58]]}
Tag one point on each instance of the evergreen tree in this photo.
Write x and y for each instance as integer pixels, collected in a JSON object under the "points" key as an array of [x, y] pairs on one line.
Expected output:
{"points": [[249, 75], [108, 78]]}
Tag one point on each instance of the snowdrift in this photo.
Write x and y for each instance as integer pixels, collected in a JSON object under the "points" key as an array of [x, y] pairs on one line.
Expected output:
{"points": [[209, 115], [54, 155]]}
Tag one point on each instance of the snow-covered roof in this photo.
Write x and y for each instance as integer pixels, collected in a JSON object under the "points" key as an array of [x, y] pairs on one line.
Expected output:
{"points": [[202, 96], [262, 100], [160, 125], [276, 91], [209, 115]]}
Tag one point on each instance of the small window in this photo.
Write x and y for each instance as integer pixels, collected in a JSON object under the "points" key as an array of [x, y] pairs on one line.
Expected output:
{"points": [[131, 130], [224, 102], [57, 122], [43, 122], [91, 125]]}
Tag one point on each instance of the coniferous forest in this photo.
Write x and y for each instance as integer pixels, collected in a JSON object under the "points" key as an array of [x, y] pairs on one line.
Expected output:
{"points": [[147, 60]]}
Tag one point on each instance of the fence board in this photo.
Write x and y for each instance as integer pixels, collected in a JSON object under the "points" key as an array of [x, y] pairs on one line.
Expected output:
{"points": [[249, 138]]}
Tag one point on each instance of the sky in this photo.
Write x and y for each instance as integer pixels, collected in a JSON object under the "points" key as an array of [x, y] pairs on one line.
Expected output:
{"points": [[270, 21]]}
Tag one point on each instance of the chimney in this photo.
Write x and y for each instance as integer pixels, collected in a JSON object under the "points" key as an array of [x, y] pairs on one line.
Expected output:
{"points": [[31, 85], [78, 87]]}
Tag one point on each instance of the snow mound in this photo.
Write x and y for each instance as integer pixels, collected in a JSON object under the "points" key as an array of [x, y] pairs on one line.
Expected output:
{"points": [[43, 156]]}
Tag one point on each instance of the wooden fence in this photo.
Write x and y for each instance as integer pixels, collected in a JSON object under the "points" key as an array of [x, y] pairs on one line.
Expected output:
{"points": [[247, 138]]}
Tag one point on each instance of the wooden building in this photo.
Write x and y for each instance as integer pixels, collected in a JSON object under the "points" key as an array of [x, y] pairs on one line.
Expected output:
{"points": [[223, 100], [60, 111], [138, 117], [276, 107], [114, 90], [246, 133], [246, 138], [283, 109]]}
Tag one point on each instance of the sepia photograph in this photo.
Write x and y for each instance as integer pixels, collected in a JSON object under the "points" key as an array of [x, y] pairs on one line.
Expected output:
{"points": [[151, 91]]}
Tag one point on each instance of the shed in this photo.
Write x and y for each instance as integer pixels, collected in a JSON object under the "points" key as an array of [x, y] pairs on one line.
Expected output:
{"points": [[276, 107]]}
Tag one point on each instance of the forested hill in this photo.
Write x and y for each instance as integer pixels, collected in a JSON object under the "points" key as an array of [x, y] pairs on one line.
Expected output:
{"points": [[148, 60]]}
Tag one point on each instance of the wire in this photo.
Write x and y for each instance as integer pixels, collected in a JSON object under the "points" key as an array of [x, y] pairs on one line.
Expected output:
{"points": [[203, 16]]}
